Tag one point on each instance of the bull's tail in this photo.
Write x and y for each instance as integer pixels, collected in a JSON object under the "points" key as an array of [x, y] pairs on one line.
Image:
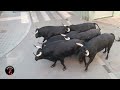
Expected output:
{"points": [[97, 26], [118, 39], [114, 37]]}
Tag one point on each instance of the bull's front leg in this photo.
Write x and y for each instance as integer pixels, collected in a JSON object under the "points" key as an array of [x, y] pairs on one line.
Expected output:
{"points": [[90, 60], [62, 62], [84, 60], [54, 64]]}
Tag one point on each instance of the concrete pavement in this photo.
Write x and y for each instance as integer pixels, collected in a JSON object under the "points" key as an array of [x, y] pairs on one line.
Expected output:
{"points": [[22, 58], [13, 28]]}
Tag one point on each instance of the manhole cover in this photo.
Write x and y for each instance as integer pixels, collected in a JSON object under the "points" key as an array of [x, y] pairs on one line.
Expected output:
{"points": [[3, 31]]}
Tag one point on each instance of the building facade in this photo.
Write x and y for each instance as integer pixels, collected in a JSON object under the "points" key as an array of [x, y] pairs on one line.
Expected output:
{"points": [[92, 15]]}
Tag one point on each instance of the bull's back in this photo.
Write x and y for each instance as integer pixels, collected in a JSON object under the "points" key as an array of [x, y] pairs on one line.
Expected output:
{"points": [[55, 38], [100, 42], [72, 34], [87, 35], [83, 27]]}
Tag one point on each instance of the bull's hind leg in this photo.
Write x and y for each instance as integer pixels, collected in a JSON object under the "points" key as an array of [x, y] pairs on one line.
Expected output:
{"points": [[108, 50], [62, 62], [53, 64]]}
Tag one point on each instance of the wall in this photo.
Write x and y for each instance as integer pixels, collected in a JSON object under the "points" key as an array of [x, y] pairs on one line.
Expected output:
{"points": [[116, 13], [83, 14]]}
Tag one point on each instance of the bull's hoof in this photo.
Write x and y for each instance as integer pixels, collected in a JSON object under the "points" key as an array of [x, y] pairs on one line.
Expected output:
{"points": [[106, 58], [52, 66], [104, 52], [80, 61], [64, 68], [86, 70]]}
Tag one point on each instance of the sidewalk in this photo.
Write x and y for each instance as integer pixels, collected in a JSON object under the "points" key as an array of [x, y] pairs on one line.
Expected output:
{"points": [[111, 25], [14, 26]]}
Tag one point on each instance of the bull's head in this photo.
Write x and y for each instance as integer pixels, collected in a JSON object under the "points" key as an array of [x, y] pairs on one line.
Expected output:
{"points": [[83, 52], [67, 28], [37, 33], [38, 54]]}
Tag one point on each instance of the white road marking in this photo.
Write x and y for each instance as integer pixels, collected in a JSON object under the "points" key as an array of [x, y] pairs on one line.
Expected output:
{"points": [[45, 16], [34, 16], [112, 76], [64, 14], [24, 17], [10, 18], [55, 15]]}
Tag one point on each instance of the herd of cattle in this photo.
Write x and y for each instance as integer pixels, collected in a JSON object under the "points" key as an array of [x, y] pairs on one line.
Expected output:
{"points": [[83, 40]]}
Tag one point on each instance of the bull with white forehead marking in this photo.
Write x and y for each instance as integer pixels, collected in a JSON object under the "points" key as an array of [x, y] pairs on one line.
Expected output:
{"points": [[58, 50], [95, 45]]}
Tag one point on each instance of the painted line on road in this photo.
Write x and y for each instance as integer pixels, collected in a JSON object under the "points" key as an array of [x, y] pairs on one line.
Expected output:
{"points": [[45, 16], [10, 18], [107, 69], [24, 17], [55, 15], [112, 76], [64, 14], [99, 60], [34, 16]]}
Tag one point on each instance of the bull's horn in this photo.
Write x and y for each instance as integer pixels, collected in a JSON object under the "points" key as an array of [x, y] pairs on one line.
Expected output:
{"points": [[39, 54], [36, 31], [63, 24], [63, 35], [68, 29], [68, 38], [34, 53], [87, 52], [37, 46], [79, 44]]}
